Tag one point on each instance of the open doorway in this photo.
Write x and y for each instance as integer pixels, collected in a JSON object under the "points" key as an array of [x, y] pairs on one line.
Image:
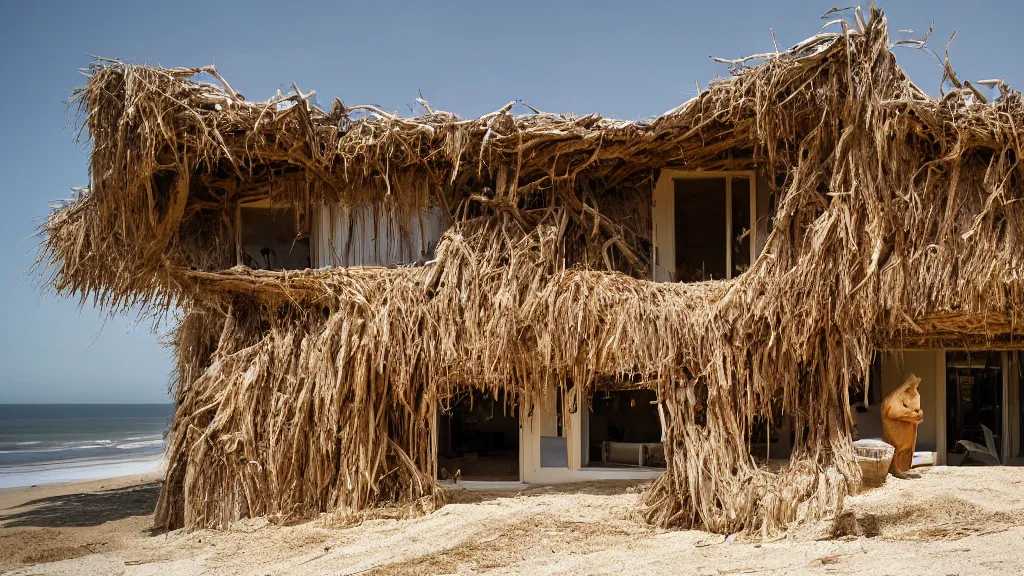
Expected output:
{"points": [[271, 238], [623, 430], [974, 399], [1017, 416], [478, 437]]}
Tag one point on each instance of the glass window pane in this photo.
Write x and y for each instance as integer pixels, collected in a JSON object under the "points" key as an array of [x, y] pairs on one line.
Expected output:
{"points": [[271, 239], [700, 229], [974, 396]]}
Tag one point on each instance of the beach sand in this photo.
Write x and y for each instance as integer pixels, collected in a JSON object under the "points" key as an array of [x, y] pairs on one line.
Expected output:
{"points": [[951, 521]]}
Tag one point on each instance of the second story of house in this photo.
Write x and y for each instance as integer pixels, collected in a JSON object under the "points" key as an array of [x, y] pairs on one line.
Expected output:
{"points": [[704, 225], [214, 187]]}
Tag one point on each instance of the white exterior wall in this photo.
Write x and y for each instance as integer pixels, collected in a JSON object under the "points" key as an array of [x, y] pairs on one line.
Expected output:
{"points": [[663, 218]]}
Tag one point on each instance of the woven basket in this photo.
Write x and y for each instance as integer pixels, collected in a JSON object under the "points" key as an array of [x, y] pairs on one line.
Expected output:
{"points": [[874, 457]]}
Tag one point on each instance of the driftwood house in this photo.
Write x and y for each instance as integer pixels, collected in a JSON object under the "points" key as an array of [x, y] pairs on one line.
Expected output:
{"points": [[370, 303]]}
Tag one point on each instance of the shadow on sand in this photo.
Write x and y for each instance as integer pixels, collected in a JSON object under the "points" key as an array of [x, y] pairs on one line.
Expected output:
{"points": [[95, 508], [86, 509]]}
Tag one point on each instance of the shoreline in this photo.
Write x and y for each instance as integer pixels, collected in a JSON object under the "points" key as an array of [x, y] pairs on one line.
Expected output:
{"points": [[80, 471]]}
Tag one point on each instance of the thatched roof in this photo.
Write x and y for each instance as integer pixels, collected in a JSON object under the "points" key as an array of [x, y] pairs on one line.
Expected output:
{"points": [[898, 224], [168, 149]]}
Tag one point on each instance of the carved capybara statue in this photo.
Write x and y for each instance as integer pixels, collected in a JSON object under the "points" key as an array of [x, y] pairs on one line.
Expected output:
{"points": [[901, 413]]}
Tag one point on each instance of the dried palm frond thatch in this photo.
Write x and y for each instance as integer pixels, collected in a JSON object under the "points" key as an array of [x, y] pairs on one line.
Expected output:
{"points": [[898, 224]]}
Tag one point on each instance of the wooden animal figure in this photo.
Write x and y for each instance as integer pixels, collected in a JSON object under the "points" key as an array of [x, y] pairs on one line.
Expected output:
{"points": [[901, 413]]}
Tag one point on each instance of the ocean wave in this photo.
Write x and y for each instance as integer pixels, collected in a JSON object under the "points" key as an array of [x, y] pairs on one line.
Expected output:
{"points": [[17, 445], [56, 449], [138, 442], [67, 448], [145, 444]]}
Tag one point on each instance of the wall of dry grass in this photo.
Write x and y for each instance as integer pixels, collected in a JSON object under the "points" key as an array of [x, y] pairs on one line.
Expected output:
{"points": [[898, 224]]}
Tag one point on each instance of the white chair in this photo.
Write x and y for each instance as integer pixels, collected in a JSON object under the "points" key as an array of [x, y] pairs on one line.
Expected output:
{"points": [[986, 455]]}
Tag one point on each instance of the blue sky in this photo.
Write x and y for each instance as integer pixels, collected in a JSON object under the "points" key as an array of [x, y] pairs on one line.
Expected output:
{"points": [[621, 59]]}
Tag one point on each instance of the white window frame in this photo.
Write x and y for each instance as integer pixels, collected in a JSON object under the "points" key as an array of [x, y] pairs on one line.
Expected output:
{"points": [[664, 203]]}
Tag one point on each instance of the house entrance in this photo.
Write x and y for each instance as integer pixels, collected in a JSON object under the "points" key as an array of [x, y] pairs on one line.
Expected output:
{"points": [[478, 437], [623, 430], [974, 398]]}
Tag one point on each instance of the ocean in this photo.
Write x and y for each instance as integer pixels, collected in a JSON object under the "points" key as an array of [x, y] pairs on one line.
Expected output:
{"points": [[45, 443]]}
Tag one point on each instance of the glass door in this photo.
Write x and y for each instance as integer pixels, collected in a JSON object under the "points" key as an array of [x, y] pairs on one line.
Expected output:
{"points": [[974, 397]]}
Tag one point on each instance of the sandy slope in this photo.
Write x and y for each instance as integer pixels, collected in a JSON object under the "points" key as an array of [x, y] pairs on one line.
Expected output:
{"points": [[952, 521]]}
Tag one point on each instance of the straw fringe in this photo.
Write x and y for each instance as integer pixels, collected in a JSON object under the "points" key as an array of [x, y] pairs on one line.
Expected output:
{"points": [[898, 224]]}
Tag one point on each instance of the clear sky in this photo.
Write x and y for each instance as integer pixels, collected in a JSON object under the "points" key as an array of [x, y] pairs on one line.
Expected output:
{"points": [[622, 59]]}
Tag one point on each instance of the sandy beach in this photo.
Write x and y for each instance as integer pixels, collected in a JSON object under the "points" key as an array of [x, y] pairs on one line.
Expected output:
{"points": [[951, 521]]}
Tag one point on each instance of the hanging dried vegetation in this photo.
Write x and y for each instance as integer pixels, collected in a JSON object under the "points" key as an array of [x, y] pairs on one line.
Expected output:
{"points": [[898, 224]]}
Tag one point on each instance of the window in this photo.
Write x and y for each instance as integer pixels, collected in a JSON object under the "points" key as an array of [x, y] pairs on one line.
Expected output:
{"points": [[707, 224], [478, 434], [622, 428], [271, 238], [701, 223], [712, 227]]}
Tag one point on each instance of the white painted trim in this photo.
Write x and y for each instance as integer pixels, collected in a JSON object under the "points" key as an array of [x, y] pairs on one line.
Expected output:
{"points": [[238, 234], [1004, 434], [522, 443], [941, 447], [728, 227], [314, 236], [752, 229], [663, 207]]}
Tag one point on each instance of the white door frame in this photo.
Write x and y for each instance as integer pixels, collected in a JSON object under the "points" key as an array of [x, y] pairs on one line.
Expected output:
{"points": [[941, 445], [1010, 447]]}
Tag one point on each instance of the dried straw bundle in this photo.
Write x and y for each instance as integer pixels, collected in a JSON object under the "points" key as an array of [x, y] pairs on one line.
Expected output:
{"points": [[898, 225]]}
